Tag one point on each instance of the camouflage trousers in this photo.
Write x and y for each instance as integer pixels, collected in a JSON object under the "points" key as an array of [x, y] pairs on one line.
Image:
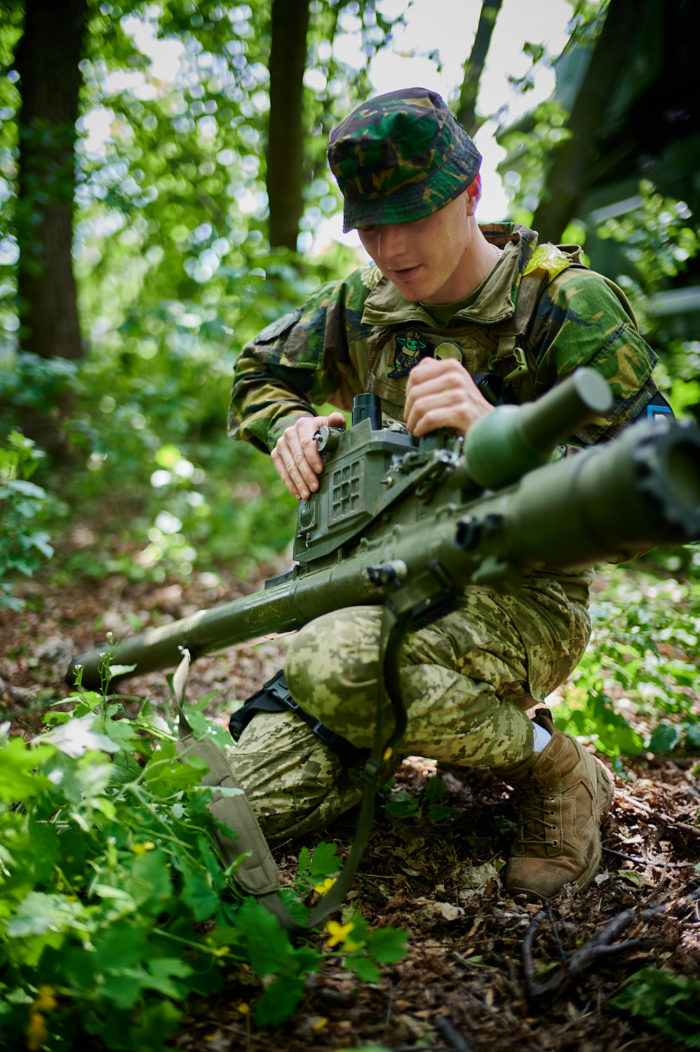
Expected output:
{"points": [[467, 680]]}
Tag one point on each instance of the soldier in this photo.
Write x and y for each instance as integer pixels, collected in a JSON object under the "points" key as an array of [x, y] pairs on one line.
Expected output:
{"points": [[449, 319]]}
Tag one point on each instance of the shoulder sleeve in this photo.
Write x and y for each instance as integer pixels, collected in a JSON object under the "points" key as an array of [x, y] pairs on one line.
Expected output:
{"points": [[298, 361], [585, 319]]}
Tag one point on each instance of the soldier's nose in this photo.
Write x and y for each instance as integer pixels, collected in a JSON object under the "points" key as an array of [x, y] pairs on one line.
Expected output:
{"points": [[392, 240]]}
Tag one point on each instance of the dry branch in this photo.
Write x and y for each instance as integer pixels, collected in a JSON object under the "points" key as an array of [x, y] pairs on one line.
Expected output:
{"points": [[599, 946]]}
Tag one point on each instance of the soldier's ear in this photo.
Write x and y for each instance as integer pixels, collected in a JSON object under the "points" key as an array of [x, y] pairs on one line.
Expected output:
{"points": [[473, 194]]}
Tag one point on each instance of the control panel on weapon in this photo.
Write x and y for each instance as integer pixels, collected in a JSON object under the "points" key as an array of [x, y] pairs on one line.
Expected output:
{"points": [[370, 469]]}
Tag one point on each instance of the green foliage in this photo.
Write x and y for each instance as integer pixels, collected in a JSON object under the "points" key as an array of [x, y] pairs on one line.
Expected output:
{"points": [[34, 382], [114, 904], [658, 237], [400, 803], [23, 546], [643, 653], [669, 1002], [364, 950]]}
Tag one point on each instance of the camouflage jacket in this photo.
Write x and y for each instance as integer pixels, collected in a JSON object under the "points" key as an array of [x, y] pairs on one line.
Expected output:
{"points": [[538, 316]]}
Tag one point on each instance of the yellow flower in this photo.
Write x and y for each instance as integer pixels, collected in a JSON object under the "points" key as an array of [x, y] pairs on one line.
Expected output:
{"points": [[338, 933], [139, 849], [46, 1001], [36, 1031], [323, 889]]}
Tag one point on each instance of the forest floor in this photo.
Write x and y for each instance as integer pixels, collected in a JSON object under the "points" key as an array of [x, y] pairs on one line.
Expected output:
{"points": [[484, 970]]}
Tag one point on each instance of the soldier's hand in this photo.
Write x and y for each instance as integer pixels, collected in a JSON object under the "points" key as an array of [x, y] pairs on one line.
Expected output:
{"points": [[296, 455], [440, 393]]}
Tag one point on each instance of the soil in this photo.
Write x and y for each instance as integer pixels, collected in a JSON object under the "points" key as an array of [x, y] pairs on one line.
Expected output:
{"points": [[484, 969]]}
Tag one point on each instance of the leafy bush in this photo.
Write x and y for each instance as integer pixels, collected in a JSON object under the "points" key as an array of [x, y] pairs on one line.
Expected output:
{"points": [[22, 545], [115, 906], [670, 1003], [646, 633]]}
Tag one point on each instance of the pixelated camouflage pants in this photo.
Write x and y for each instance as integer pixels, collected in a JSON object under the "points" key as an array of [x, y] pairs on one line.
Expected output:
{"points": [[467, 680]]}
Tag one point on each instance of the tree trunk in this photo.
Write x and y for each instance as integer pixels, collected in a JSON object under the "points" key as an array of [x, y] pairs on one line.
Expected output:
{"points": [[285, 153], [577, 157], [474, 66], [47, 61]]}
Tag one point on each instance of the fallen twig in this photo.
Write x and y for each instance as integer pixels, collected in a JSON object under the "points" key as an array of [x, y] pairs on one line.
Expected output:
{"points": [[600, 945], [646, 862], [451, 1036]]}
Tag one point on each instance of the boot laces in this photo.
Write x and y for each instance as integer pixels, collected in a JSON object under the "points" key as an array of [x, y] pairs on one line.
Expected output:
{"points": [[537, 814]]}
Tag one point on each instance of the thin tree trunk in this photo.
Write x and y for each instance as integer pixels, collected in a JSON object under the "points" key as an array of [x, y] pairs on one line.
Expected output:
{"points": [[575, 158], [47, 60], [474, 66], [285, 153]]}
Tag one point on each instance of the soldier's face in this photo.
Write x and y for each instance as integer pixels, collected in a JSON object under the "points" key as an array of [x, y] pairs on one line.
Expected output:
{"points": [[427, 259]]}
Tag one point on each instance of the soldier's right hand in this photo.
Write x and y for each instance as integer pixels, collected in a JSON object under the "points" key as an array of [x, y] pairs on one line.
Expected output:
{"points": [[296, 456]]}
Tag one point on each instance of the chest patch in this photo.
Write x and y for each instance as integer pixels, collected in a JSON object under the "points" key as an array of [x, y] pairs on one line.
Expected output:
{"points": [[410, 345]]}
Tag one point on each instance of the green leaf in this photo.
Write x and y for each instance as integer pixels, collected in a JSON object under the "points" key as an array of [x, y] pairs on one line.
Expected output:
{"points": [[77, 736], [151, 880], [198, 893], [693, 734], [19, 778], [364, 968], [278, 1001], [266, 944], [40, 912], [402, 805], [324, 860], [668, 1002], [664, 738], [119, 670], [436, 812], [123, 944], [434, 790], [387, 944]]}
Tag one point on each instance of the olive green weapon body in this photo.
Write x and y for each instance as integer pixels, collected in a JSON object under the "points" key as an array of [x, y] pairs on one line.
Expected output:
{"points": [[430, 516]]}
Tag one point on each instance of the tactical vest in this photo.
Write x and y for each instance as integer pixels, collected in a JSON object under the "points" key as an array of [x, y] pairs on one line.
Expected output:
{"points": [[499, 355]]}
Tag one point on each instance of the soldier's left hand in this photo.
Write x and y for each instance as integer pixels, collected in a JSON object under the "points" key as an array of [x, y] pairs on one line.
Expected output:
{"points": [[440, 393]]}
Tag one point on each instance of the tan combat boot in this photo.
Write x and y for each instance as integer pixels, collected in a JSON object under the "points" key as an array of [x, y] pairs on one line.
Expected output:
{"points": [[561, 795]]}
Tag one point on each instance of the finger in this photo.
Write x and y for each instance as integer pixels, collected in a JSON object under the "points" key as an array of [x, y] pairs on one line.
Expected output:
{"points": [[297, 459], [300, 471], [286, 477], [443, 399]]}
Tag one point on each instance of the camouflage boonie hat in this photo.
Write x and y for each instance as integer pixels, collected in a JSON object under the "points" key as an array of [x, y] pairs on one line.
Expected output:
{"points": [[399, 157]]}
